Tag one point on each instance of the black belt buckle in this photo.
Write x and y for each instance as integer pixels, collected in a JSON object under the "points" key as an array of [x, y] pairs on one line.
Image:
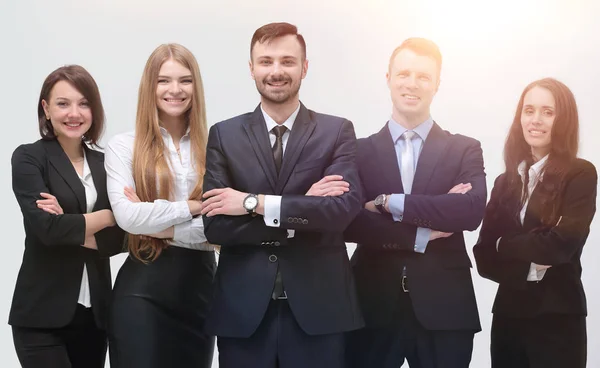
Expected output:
{"points": [[404, 284]]}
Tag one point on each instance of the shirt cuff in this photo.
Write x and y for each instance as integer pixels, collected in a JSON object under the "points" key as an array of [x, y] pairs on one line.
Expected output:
{"points": [[190, 232], [183, 232], [272, 210], [396, 205], [498, 243], [422, 239], [534, 274]]}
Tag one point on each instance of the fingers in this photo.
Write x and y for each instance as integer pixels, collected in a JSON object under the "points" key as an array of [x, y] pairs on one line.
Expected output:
{"points": [[214, 192], [47, 196], [211, 205], [325, 188], [461, 188], [48, 209]]}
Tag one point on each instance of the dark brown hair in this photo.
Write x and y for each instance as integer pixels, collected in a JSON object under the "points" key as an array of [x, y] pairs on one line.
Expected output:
{"points": [[83, 82], [422, 47], [271, 31], [564, 145]]}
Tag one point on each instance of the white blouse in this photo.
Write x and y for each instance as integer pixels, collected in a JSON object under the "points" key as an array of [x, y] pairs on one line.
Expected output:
{"points": [[91, 195], [152, 217]]}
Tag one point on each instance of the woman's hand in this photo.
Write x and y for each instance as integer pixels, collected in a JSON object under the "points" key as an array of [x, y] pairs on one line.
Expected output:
{"points": [[49, 204]]}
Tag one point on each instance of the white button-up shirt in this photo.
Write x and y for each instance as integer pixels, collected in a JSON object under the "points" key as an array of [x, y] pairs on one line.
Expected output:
{"points": [[153, 217], [91, 195]]}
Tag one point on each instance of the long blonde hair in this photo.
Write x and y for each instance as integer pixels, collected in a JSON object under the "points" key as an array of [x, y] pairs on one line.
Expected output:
{"points": [[151, 173]]}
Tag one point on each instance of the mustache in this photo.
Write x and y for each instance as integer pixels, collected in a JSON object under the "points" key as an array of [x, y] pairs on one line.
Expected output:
{"points": [[283, 78]]}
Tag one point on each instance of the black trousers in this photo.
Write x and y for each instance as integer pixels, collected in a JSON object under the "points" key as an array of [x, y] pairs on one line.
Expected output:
{"points": [[279, 342], [80, 344], [546, 341], [405, 339]]}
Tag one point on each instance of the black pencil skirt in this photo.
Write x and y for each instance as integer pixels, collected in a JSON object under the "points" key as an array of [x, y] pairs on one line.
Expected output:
{"points": [[158, 311]]}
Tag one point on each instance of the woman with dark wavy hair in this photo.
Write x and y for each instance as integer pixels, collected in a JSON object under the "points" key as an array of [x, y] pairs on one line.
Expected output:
{"points": [[535, 226]]}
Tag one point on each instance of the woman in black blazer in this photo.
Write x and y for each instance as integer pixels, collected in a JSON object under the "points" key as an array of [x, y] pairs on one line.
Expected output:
{"points": [[535, 226], [59, 307]]}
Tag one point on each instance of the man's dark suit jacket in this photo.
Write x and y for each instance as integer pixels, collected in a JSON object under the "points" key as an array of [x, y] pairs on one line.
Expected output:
{"points": [[561, 290], [49, 281], [440, 284], [314, 263]]}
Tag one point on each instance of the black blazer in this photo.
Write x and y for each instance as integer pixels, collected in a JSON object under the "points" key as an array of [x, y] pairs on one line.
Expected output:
{"points": [[440, 283], [49, 281], [561, 290], [314, 263]]}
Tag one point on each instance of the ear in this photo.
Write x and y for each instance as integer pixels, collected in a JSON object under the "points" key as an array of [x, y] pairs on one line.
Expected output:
{"points": [[387, 79], [304, 68], [46, 108], [251, 67]]}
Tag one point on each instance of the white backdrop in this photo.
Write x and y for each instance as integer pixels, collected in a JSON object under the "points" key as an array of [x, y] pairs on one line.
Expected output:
{"points": [[491, 51]]}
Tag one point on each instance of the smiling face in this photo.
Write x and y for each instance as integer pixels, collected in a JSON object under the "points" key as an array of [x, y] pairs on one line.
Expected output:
{"points": [[174, 90], [68, 111], [537, 119], [278, 67], [413, 81]]}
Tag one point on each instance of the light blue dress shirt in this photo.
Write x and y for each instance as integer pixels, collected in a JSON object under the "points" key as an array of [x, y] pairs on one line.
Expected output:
{"points": [[396, 201]]}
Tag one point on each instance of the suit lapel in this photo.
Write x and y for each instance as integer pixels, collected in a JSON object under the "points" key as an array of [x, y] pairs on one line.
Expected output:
{"points": [[433, 149], [301, 131], [96, 165], [259, 139], [386, 155], [58, 158]]}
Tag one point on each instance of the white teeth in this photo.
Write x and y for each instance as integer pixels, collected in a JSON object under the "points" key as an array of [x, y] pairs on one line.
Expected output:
{"points": [[411, 97], [173, 100], [536, 132], [73, 125]]}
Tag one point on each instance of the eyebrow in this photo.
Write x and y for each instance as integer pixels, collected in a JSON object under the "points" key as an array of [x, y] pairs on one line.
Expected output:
{"points": [[182, 77], [543, 106], [68, 99]]}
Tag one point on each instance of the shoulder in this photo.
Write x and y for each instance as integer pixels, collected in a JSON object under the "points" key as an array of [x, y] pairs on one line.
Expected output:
{"points": [[122, 142], [35, 150], [583, 169], [232, 123]]}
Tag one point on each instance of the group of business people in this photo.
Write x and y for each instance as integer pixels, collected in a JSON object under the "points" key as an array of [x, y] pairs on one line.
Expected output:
{"points": [[280, 190]]}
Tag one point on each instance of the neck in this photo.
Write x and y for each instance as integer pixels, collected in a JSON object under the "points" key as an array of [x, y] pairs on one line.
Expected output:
{"points": [[72, 147], [176, 126], [410, 122], [538, 154], [280, 112]]}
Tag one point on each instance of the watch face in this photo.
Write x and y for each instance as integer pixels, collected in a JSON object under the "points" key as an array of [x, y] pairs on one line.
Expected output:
{"points": [[379, 200], [250, 203]]}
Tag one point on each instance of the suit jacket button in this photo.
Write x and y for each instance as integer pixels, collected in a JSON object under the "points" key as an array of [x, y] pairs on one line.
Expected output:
{"points": [[305, 222], [273, 258], [277, 243], [262, 243], [275, 221], [290, 219]]}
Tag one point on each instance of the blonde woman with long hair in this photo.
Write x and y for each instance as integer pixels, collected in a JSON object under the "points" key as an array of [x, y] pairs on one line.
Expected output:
{"points": [[154, 186]]}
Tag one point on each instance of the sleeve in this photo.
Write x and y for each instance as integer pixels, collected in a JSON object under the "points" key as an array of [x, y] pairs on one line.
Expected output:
{"points": [[558, 244], [453, 212], [190, 232], [142, 217], [231, 230], [28, 182], [328, 214]]}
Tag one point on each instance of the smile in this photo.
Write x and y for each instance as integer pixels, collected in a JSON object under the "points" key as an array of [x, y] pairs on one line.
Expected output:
{"points": [[411, 97]]}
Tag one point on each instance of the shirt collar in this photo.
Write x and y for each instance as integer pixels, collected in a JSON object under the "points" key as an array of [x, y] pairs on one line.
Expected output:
{"points": [[86, 168], [534, 170], [289, 123], [165, 132], [422, 130]]}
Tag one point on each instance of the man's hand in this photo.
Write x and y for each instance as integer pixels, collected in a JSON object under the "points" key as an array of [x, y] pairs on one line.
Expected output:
{"points": [[223, 201], [371, 207], [461, 188], [435, 234], [330, 185]]}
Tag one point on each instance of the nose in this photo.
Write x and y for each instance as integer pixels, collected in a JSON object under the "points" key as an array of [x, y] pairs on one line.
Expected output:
{"points": [[74, 111], [537, 118], [174, 88], [411, 82]]}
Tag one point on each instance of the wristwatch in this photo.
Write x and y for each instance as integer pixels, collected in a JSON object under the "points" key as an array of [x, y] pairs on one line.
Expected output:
{"points": [[250, 203], [380, 202]]}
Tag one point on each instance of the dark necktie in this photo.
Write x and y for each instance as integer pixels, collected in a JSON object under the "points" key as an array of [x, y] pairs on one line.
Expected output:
{"points": [[279, 131], [278, 291]]}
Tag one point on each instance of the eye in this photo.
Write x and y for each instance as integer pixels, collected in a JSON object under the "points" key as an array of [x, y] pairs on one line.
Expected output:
{"points": [[288, 62], [62, 104], [187, 81], [424, 78], [528, 111], [548, 112], [265, 62], [163, 81]]}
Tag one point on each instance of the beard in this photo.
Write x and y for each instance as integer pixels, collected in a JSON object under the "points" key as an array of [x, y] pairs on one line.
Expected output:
{"points": [[281, 96]]}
